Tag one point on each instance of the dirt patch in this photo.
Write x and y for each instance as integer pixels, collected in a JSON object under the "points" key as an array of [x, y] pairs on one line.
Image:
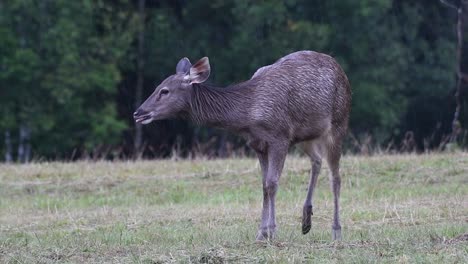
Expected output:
{"points": [[212, 256], [55, 256], [443, 240], [457, 239], [220, 255]]}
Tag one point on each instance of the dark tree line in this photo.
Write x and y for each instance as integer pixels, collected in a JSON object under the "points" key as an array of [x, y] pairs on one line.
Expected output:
{"points": [[72, 72]]}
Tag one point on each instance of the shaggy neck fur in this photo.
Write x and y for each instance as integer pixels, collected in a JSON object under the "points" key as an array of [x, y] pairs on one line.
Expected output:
{"points": [[221, 107]]}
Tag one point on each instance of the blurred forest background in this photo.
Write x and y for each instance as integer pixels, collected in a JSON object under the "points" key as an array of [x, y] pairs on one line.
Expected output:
{"points": [[73, 72]]}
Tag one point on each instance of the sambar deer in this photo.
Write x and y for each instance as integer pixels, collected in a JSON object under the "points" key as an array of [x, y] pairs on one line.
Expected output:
{"points": [[304, 98]]}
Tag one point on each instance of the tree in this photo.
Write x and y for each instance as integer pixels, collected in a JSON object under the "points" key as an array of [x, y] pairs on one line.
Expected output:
{"points": [[63, 72], [461, 76], [140, 74]]}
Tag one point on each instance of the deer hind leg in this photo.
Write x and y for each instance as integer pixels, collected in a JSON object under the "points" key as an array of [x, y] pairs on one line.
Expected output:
{"points": [[314, 151], [333, 158], [263, 229]]}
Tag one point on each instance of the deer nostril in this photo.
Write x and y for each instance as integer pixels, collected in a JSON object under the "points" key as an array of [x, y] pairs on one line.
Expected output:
{"points": [[138, 112]]}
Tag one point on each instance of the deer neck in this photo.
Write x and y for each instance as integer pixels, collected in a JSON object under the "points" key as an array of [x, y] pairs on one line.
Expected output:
{"points": [[226, 108]]}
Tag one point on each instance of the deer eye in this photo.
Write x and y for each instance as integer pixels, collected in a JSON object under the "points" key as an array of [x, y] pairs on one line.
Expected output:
{"points": [[164, 91]]}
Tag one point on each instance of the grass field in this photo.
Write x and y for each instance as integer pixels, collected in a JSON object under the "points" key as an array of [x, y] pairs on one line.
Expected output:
{"points": [[395, 209]]}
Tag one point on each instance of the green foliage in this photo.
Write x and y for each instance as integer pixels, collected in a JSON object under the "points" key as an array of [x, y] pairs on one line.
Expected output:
{"points": [[61, 71]]}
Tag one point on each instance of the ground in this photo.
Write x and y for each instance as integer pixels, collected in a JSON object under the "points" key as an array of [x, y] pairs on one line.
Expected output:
{"points": [[395, 209]]}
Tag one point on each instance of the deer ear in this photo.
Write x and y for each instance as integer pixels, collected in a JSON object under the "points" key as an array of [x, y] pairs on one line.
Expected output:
{"points": [[200, 71], [183, 66]]}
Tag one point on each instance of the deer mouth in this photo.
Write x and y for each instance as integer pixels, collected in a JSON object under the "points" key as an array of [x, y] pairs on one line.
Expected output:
{"points": [[144, 119]]}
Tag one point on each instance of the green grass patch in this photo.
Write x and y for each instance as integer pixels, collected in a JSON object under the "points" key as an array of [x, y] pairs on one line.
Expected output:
{"points": [[395, 209]]}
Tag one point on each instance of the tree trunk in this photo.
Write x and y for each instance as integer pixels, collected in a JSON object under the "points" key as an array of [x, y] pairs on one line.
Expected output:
{"points": [[24, 147], [222, 150], [21, 145], [8, 147], [456, 125], [139, 85]]}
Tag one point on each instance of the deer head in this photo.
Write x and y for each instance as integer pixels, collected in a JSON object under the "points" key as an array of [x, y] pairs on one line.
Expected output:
{"points": [[172, 97]]}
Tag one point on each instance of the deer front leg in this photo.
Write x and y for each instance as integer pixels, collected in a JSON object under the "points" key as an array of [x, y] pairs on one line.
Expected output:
{"points": [[276, 157]]}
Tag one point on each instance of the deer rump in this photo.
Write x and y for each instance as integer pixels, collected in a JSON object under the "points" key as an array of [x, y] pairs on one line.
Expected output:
{"points": [[302, 96]]}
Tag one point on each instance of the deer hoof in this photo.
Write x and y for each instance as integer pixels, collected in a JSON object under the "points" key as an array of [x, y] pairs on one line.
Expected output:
{"points": [[336, 234], [261, 236], [306, 219], [265, 234], [306, 228]]}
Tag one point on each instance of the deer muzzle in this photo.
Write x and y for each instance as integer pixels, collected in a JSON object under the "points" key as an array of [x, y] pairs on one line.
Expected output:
{"points": [[142, 117]]}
